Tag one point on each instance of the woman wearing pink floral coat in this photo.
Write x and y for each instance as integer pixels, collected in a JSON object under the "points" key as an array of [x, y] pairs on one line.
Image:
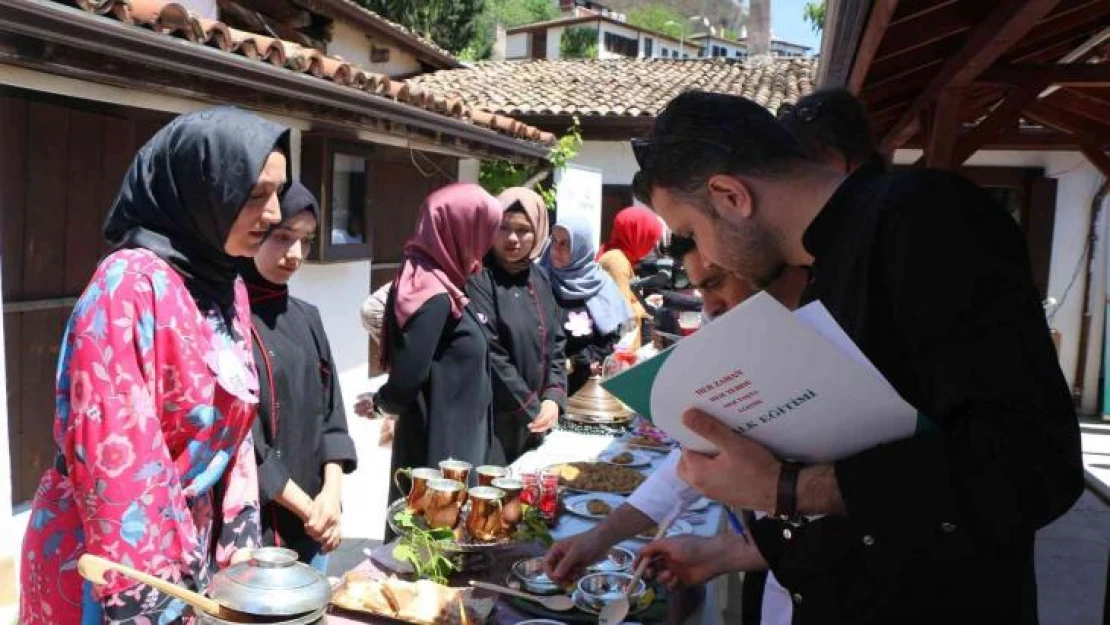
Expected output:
{"points": [[156, 390]]}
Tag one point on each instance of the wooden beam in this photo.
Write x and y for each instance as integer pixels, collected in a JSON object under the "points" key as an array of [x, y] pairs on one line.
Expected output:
{"points": [[1076, 20], [943, 126], [881, 13], [989, 40], [1002, 117], [1081, 104], [1098, 158], [1063, 74], [1065, 121]]}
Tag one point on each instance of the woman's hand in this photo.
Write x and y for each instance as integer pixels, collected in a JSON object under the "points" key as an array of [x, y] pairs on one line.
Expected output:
{"points": [[546, 419], [364, 406], [326, 511], [595, 368]]}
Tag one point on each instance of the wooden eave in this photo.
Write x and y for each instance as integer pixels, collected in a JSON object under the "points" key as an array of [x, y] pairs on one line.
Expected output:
{"points": [[956, 76]]}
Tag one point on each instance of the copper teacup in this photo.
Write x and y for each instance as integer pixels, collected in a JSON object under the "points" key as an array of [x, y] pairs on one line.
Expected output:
{"points": [[444, 503], [488, 473], [483, 522], [512, 508], [418, 486], [458, 470]]}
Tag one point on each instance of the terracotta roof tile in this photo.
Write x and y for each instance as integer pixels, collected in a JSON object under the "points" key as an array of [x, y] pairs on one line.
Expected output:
{"points": [[172, 19], [617, 88]]}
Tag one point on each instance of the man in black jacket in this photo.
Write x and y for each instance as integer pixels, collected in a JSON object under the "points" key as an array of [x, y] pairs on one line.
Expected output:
{"points": [[931, 279]]}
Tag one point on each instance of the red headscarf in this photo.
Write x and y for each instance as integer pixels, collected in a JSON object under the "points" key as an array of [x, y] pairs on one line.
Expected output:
{"points": [[636, 230], [454, 231]]}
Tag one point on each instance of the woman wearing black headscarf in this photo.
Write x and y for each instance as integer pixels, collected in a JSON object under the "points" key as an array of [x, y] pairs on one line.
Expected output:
{"points": [[156, 389], [300, 435]]}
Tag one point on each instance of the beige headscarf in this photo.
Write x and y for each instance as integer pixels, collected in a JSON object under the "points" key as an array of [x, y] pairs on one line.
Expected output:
{"points": [[533, 206]]}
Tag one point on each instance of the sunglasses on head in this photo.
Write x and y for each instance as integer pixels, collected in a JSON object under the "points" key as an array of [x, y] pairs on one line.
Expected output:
{"points": [[805, 113], [642, 148]]}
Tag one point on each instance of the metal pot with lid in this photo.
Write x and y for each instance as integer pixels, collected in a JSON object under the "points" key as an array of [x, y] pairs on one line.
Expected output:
{"points": [[273, 586]]}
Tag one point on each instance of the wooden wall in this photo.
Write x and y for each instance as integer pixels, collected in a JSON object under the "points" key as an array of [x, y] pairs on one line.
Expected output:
{"points": [[61, 163]]}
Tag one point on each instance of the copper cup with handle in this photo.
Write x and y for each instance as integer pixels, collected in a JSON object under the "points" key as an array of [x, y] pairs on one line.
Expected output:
{"points": [[487, 473], [512, 508], [483, 522], [458, 470], [444, 503], [416, 496]]}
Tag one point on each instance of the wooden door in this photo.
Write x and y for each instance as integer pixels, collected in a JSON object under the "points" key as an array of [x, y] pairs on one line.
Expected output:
{"points": [[61, 164]]}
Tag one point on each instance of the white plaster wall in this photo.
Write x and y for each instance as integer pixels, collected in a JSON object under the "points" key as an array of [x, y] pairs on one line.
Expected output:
{"points": [[354, 46], [468, 169], [554, 40], [613, 158], [516, 46]]}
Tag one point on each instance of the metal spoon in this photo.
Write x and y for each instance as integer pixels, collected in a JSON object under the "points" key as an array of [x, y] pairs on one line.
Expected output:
{"points": [[614, 613], [557, 603]]}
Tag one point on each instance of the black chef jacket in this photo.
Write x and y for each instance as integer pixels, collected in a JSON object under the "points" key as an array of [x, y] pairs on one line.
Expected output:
{"points": [[932, 280]]}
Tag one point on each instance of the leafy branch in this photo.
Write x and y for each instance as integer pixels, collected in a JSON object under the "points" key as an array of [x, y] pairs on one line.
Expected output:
{"points": [[496, 176], [423, 548], [533, 528]]}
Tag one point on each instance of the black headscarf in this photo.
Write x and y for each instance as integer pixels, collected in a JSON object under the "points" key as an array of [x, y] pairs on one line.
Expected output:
{"points": [[296, 198], [184, 191]]}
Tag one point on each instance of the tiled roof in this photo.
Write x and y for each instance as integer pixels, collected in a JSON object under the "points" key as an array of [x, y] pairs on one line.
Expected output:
{"points": [[172, 19], [622, 87]]}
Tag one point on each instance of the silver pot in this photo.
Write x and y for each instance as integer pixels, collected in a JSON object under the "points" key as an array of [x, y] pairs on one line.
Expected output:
{"points": [[272, 585]]}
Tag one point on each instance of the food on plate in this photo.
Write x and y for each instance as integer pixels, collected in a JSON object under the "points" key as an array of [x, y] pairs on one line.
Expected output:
{"points": [[598, 506], [648, 441], [624, 457], [423, 602], [599, 477]]}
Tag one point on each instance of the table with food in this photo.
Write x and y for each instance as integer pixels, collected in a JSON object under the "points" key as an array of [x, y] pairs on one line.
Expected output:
{"points": [[470, 540]]}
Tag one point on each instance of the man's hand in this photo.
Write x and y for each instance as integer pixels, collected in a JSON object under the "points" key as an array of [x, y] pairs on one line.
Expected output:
{"points": [[567, 559], [692, 560], [324, 517], [744, 474], [547, 418]]}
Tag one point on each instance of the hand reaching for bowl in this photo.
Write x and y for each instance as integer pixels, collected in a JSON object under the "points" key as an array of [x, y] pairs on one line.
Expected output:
{"points": [[693, 560]]}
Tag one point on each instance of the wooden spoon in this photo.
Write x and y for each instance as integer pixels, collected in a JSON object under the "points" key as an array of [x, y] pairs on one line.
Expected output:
{"points": [[556, 603], [614, 613], [93, 569]]}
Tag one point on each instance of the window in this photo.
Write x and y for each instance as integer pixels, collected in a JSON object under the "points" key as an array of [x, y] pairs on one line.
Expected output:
{"points": [[624, 46], [664, 52], [368, 193], [649, 43]]}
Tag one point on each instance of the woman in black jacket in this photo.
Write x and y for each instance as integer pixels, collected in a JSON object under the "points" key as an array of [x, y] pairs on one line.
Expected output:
{"points": [[513, 299], [433, 344], [300, 435]]}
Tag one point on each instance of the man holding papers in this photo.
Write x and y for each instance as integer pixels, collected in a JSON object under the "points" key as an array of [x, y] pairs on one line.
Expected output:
{"points": [[931, 280]]}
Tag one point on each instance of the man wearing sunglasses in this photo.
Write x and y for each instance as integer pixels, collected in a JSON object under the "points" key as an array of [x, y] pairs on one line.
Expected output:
{"points": [[931, 279]]}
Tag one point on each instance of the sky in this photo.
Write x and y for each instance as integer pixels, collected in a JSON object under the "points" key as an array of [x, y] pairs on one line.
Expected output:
{"points": [[787, 24]]}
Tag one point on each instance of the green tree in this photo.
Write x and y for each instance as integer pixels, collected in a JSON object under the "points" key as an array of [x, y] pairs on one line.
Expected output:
{"points": [[449, 23], [496, 176], [578, 43], [814, 13], [508, 13], [661, 19]]}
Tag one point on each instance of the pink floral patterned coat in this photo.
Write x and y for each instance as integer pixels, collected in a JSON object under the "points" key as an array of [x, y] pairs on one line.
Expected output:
{"points": [[155, 465]]}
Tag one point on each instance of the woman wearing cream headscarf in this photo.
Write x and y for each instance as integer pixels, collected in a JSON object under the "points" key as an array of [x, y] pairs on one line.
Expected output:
{"points": [[513, 298]]}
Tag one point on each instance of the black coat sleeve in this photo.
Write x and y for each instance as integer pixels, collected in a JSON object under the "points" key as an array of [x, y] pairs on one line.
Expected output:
{"points": [[273, 475], [506, 379], [1003, 459], [336, 444], [414, 349]]}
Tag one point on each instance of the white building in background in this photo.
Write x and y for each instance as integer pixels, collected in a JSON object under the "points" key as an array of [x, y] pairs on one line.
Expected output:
{"points": [[615, 37]]}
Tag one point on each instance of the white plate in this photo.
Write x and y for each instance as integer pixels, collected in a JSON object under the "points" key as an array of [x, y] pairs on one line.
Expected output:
{"points": [[639, 458], [576, 504], [664, 448], [678, 528]]}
